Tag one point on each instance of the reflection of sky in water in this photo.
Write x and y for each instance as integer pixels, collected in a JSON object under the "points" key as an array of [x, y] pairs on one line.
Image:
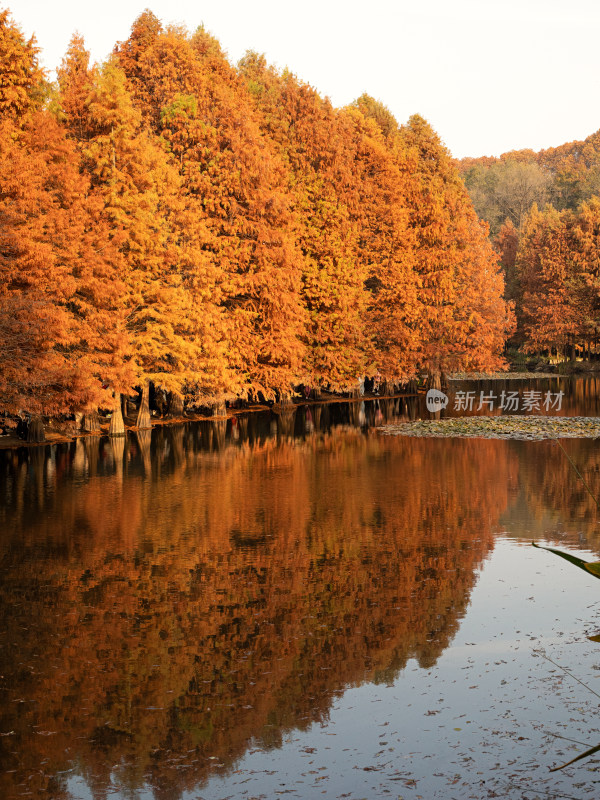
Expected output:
{"points": [[489, 684], [482, 719]]}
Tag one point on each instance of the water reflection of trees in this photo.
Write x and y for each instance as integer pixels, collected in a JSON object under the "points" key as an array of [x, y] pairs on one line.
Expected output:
{"points": [[561, 505], [580, 396], [165, 605]]}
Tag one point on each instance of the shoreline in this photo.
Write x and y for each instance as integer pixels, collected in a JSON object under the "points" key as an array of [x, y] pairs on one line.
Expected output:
{"points": [[56, 436]]}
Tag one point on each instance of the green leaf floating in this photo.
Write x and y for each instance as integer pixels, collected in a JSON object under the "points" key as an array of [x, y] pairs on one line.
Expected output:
{"points": [[591, 567]]}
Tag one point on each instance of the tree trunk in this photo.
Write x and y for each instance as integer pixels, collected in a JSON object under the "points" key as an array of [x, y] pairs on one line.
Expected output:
{"points": [[175, 404], [35, 430], [90, 423], [359, 389], [160, 402], [219, 409], [434, 380], [143, 418], [128, 408], [117, 426]]}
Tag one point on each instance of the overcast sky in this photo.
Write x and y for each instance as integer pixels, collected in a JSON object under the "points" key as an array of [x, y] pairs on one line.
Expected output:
{"points": [[489, 75]]}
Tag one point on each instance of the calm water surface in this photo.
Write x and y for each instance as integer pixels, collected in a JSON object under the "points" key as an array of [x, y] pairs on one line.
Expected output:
{"points": [[295, 605]]}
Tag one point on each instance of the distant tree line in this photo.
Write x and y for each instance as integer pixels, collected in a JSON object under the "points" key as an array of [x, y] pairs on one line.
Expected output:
{"points": [[544, 217], [223, 232]]}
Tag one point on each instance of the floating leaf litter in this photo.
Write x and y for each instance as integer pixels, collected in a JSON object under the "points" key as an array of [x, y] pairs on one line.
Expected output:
{"points": [[527, 427]]}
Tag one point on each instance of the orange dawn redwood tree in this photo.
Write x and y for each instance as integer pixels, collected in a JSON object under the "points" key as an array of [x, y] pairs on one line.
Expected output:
{"points": [[226, 233], [136, 193], [48, 366], [21, 77], [465, 319], [557, 261], [234, 181], [547, 314], [316, 144], [384, 177], [102, 299], [49, 363], [585, 234]]}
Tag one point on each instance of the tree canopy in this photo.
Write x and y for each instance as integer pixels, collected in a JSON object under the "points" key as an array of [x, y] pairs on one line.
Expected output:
{"points": [[542, 210], [223, 231]]}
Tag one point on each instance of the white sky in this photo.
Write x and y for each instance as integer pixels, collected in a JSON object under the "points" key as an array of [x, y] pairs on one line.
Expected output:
{"points": [[489, 75]]}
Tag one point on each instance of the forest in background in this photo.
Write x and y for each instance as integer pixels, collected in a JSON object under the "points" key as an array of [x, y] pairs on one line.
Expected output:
{"points": [[223, 232], [544, 217]]}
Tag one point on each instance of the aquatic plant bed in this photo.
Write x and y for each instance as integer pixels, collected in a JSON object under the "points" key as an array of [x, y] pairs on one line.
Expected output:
{"points": [[506, 427]]}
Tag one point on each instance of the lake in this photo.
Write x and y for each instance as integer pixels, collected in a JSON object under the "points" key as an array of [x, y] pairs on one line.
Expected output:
{"points": [[293, 604]]}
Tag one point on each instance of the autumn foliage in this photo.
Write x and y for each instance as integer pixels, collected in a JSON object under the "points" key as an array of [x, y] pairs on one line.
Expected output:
{"points": [[223, 232], [544, 217], [558, 286]]}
